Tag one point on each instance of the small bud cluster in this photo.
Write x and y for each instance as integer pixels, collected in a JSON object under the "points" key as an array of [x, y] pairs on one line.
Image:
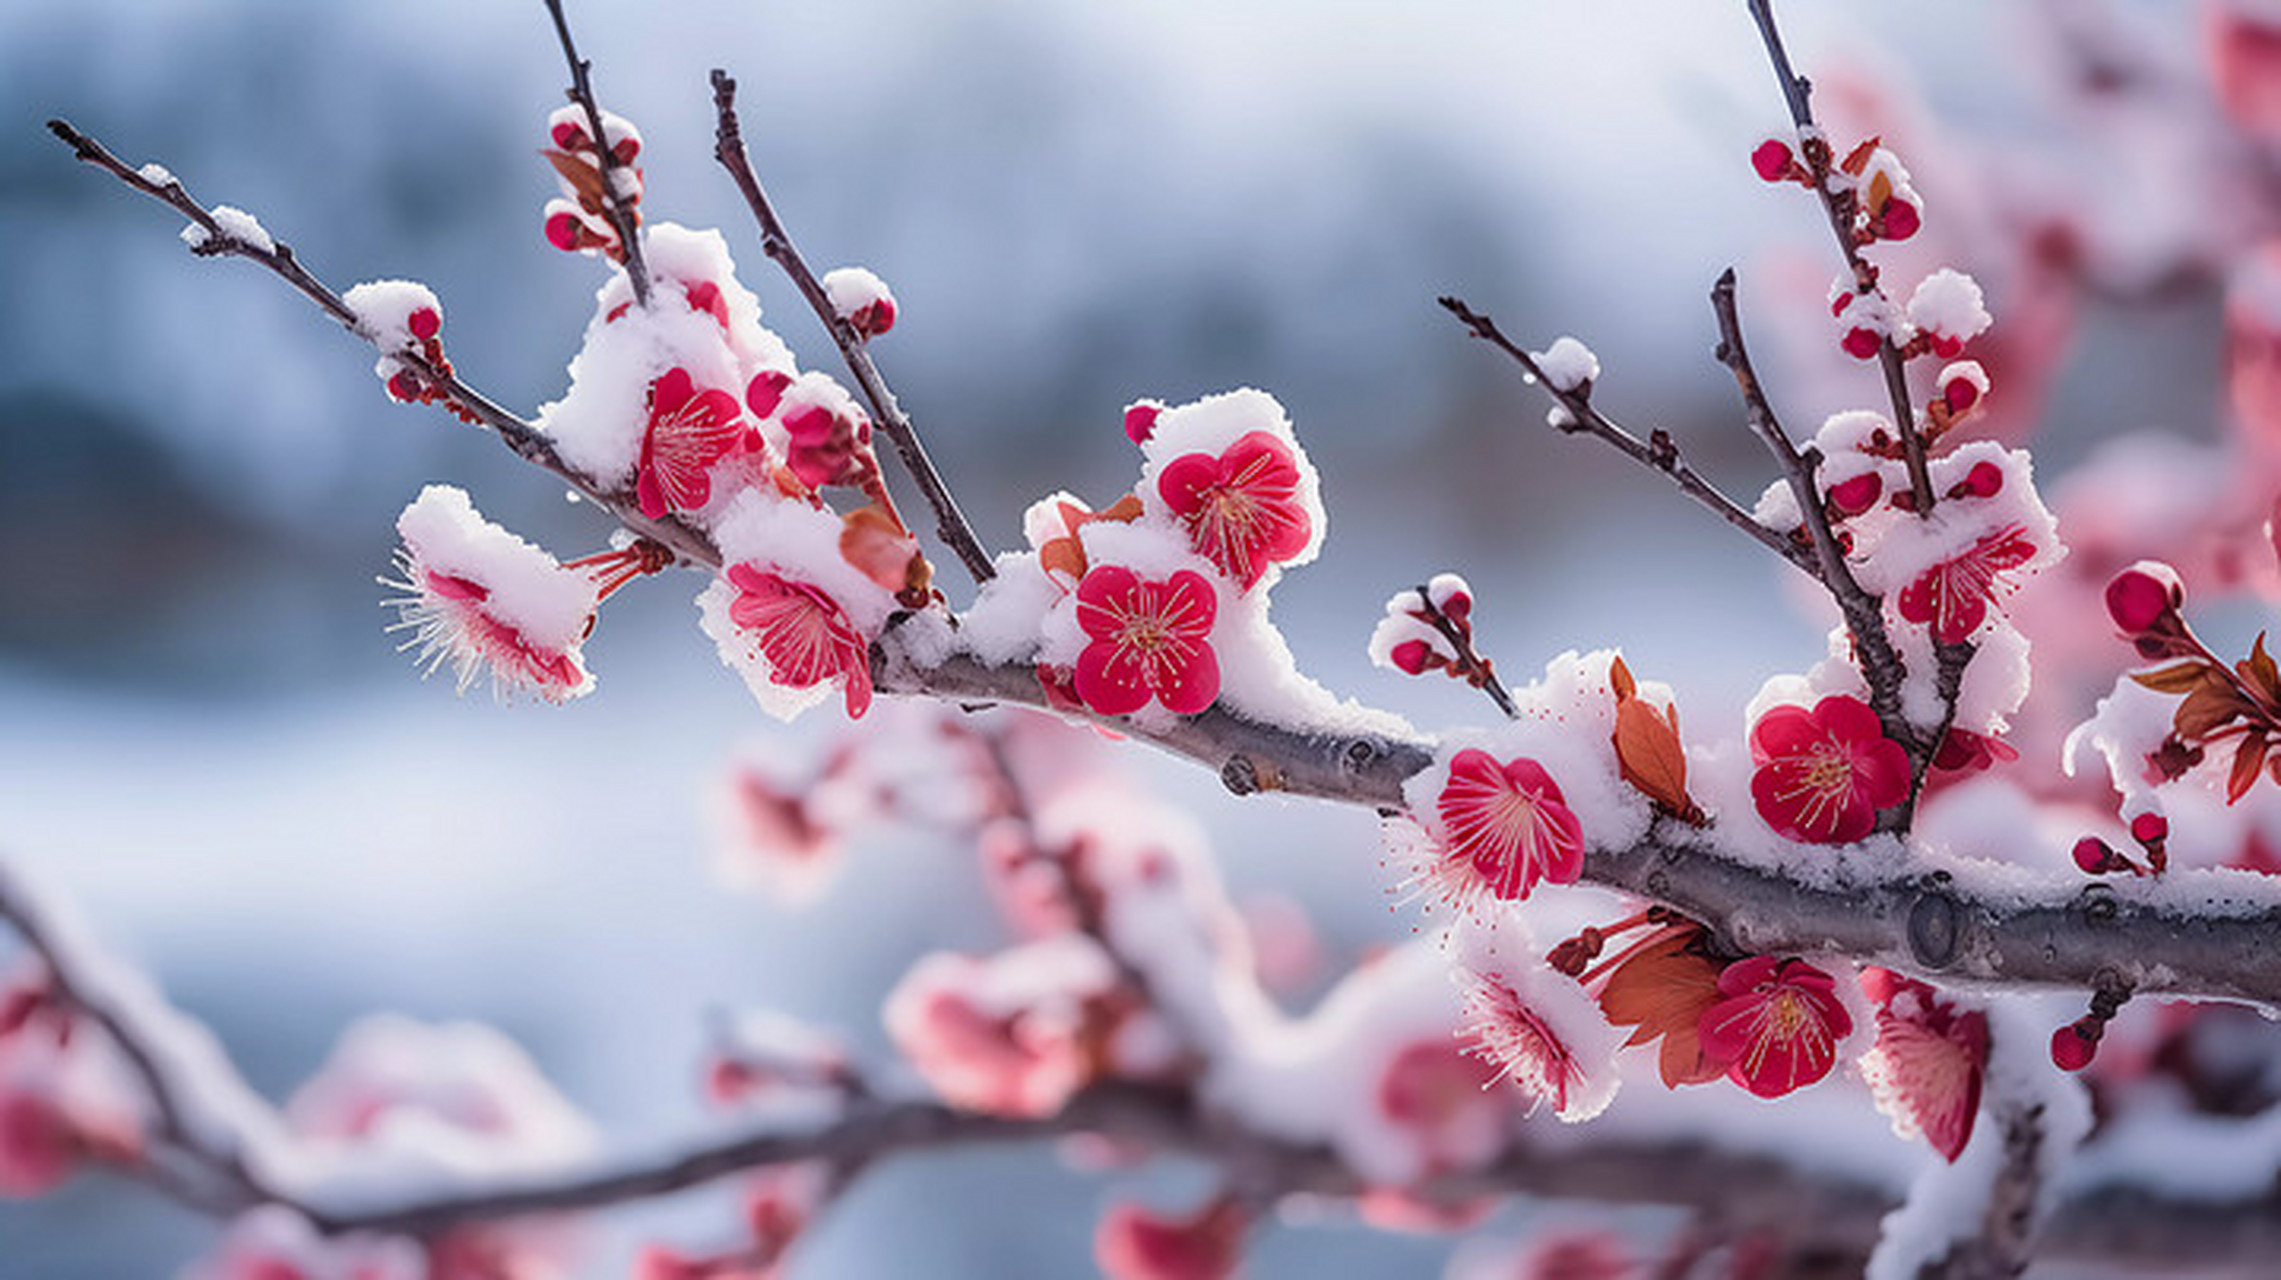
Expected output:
{"points": [[1870, 182], [862, 300], [2152, 833], [2219, 702], [578, 221], [2074, 1045], [1430, 628]]}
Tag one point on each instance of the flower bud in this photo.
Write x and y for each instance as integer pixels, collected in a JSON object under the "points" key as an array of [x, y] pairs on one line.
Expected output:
{"points": [[2144, 597], [2074, 1045]]}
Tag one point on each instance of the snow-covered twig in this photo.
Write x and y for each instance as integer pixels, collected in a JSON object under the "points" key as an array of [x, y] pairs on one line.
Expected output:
{"points": [[1864, 617], [242, 237], [776, 242], [1839, 205], [1657, 453], [622, 218]]}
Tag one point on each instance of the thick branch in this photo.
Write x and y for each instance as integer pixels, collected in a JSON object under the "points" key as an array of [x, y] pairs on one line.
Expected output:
{"points": [[1839, 207], [523, 437], [776, 242], [622, 217], [1657, 453]]}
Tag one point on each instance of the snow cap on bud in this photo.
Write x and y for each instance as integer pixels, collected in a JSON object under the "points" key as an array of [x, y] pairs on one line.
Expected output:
{"points": [[1868, 320], [1409, 644], [1569, 365], [2144, 597], [1449, 594], [573, 230], [862, 299], [566, 128], [1949, 307], [1962, 385]]}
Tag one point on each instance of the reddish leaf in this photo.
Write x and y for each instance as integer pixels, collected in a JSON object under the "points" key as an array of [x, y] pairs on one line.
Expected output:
{"points": [[1662, 991], [2206, 710], [1858, 159], [879, 547], [2180, 677], [2248, 762], [1620, 680], [2260, 673]]}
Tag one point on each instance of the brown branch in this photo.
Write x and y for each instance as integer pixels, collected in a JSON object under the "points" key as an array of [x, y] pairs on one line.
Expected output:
{"points": [[1657, 453], [776, 242], [1864, 614], [528, 442], [622, 217], [1840, 207]]}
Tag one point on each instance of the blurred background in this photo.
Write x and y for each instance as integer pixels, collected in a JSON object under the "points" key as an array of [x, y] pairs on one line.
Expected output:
{"points": [[210, 743]]}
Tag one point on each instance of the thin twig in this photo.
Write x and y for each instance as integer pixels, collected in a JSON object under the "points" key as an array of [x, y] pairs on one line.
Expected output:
{"points": [[1657, 453], [1864, 615], [776, 242], [528, 442], [623, 220], [1478, 670], [1840, 207]]}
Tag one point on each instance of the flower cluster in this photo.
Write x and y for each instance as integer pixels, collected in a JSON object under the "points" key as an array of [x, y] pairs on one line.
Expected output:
{"points": [[64, 1097], [1144, 602]]}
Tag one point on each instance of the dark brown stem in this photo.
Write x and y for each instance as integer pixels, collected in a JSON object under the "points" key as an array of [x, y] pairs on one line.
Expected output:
{"points": [[622, 217], [1658, 453], [1840, 207], [776, 242], [523, 437], [1469, 661], [1864, 614]]}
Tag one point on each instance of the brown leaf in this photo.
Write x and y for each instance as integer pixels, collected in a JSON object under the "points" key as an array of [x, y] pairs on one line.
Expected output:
{"points": [[1858, 159], [1662, 991], [1620, 680], [2259, 672], [1879, 191], [1649, 751], [882, 550], [1124, 510], [583, 177], [2206, 710], [2248, 762], [2179, 677]]}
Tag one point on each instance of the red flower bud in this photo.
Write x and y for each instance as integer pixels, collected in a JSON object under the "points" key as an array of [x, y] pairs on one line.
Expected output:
{"points": [[1858, 494], [404, 385], [1140, 420], [1773, 160], [2094, 856], [1412, 657], [2073, 1045], [425, 323], [1900, 220], [766, 391], [2150, 828], [569, 136], [1863, 344], [1985, 480], [2144, 596], [1961, 394]]}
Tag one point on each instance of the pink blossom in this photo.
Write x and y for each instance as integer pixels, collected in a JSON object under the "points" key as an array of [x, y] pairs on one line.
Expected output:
{"points": [[1148, 641], [2244, 46], [1439, 1094], [803, 634], [1823, 774], [1133, 1243], [1953, 596], [1776, 1026], [39, 1147], [1242, 508], [1926, 1067], [1502, 1030], [1505, 826], [690, 430], [988, 1039]]}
